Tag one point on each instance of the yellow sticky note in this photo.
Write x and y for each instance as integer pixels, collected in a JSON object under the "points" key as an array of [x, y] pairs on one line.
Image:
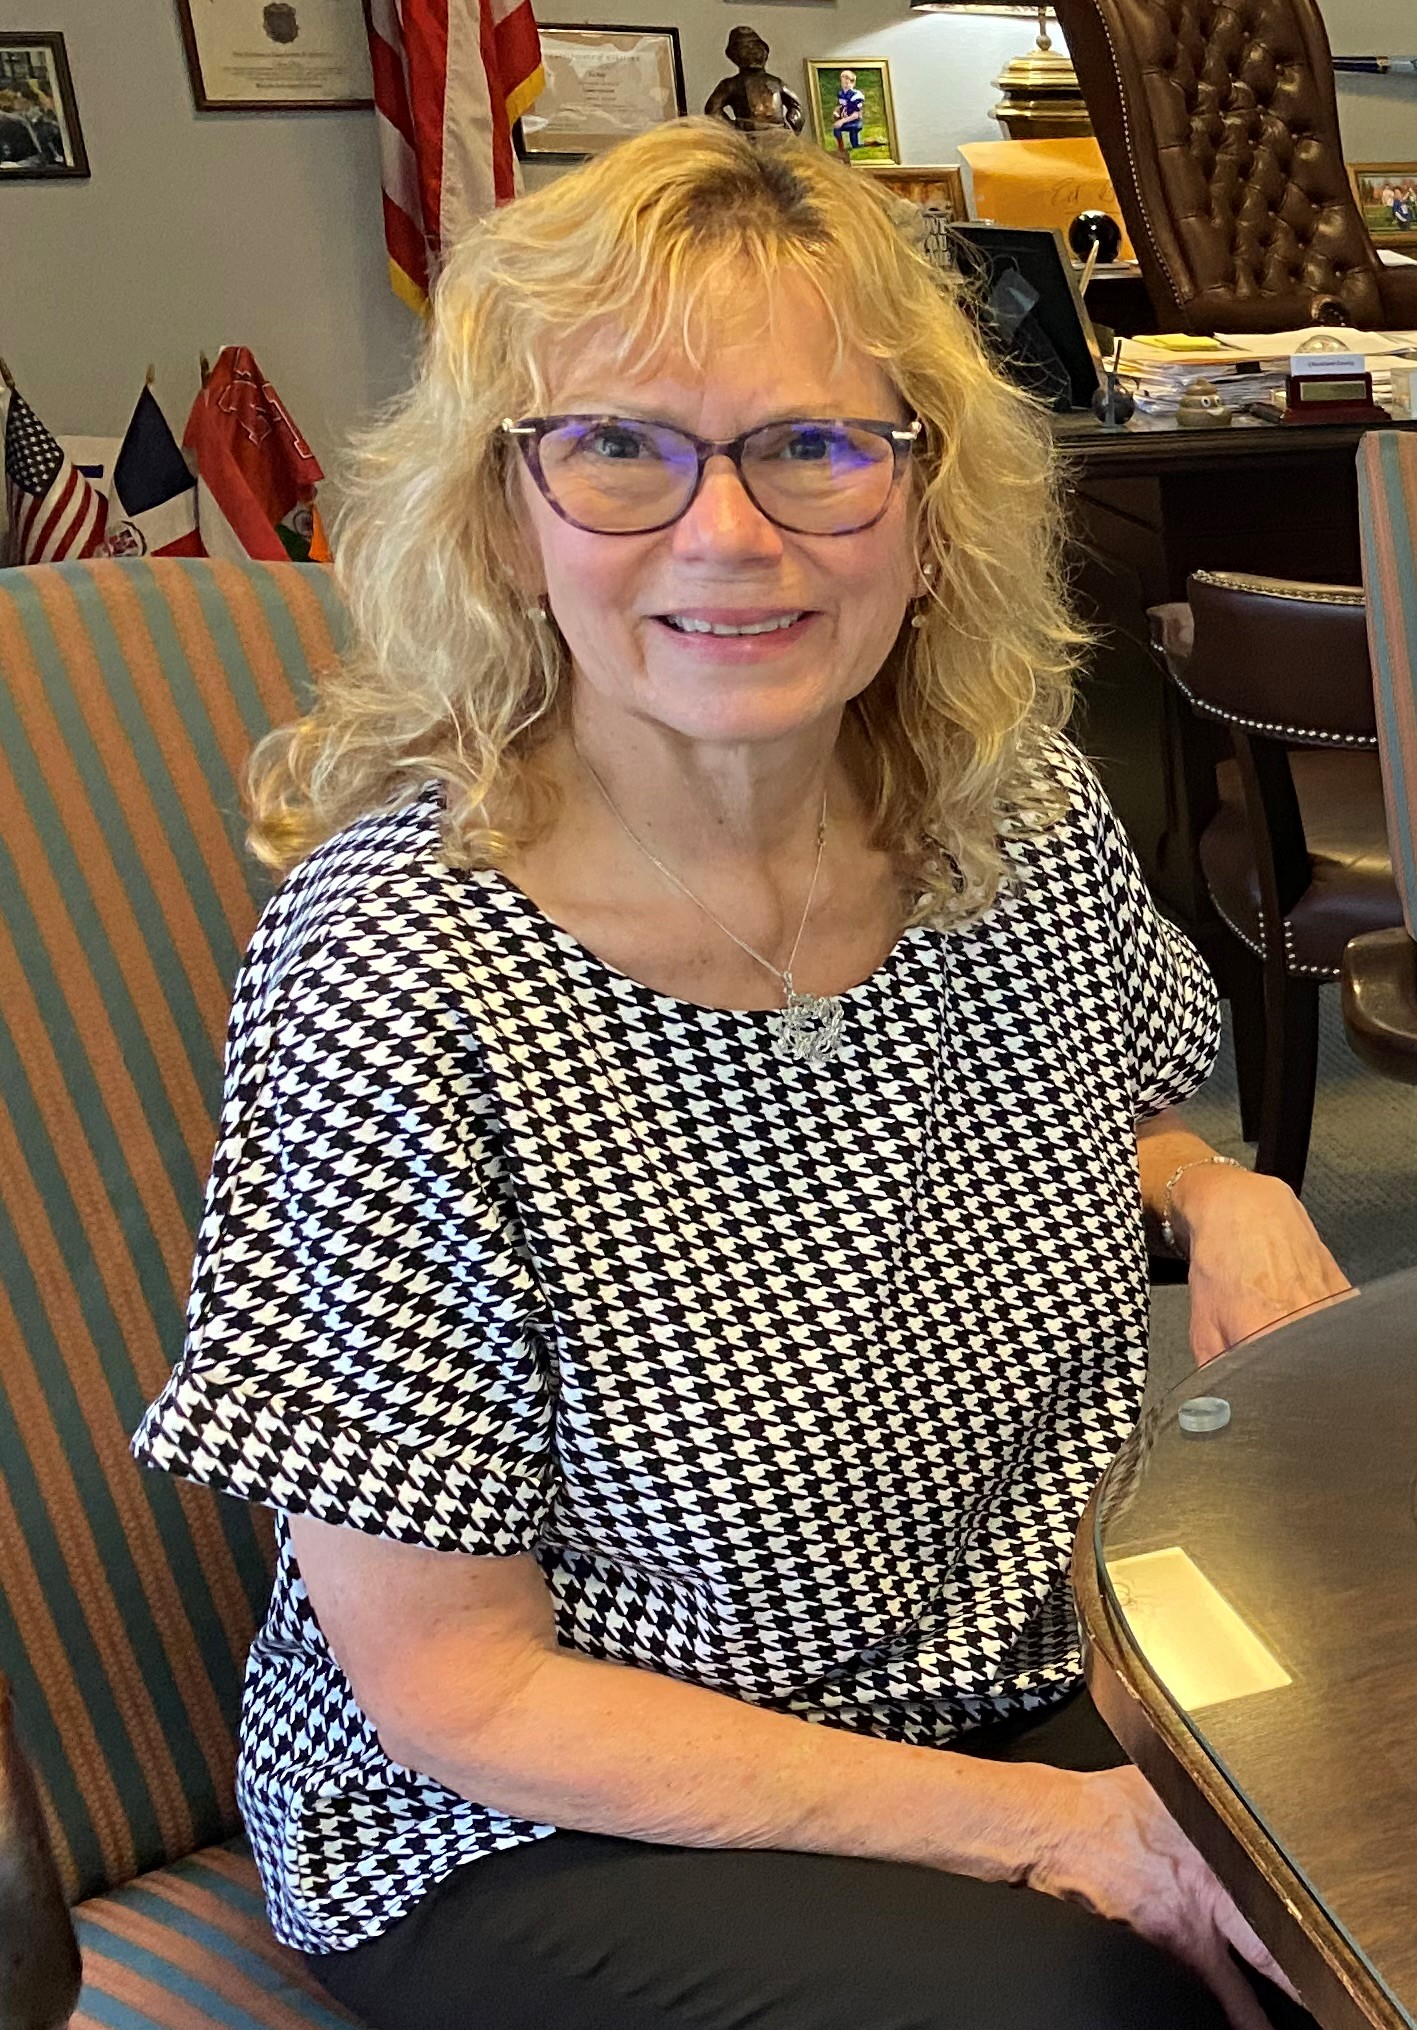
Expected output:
{"points": [[1190, 1635]]}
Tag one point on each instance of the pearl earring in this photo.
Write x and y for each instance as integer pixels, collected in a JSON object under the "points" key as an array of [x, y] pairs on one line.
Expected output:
{"points": [[927, 572]]}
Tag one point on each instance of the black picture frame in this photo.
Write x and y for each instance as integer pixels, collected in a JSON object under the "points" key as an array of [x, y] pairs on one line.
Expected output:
{"points": [[37, 94], [1057, 342], [524, 140]]}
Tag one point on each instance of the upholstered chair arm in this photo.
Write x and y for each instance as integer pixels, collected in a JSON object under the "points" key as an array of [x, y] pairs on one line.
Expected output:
{"points": [[1399, 287], [39, 1955], [1281, 660], [1380, 1001]]}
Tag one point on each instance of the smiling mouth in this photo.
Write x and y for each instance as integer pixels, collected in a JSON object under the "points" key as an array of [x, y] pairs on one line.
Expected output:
{"points": [[683, 625]]}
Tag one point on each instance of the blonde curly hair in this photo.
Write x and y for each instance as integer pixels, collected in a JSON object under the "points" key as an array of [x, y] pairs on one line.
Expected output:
{"points": [[448, 677]]}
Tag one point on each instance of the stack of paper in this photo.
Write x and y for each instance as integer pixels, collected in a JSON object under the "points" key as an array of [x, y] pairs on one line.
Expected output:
{"points": [[1244, 368], [1377, 349], [1157, 370]]}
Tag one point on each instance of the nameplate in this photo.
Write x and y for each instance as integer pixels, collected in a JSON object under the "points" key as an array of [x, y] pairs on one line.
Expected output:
{"points": [[1324, 365]]}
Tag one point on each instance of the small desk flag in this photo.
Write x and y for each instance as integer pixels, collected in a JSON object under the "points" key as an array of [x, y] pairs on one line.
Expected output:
{"points": [[152, 497], [54, 511], [256, 475]]}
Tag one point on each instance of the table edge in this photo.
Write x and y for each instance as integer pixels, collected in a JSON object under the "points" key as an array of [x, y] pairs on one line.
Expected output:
{"points": [[1338, 1988]]}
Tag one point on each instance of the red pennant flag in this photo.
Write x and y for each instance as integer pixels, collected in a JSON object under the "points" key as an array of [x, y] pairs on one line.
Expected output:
{"points": [[256, 475]]}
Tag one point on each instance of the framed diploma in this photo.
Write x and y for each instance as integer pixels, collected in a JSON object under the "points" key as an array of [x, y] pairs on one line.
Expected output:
{"points": [[274, 55], [602, 85]]}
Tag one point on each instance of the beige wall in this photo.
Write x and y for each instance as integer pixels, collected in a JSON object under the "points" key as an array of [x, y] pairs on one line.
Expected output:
{"points": [[200, 228]]}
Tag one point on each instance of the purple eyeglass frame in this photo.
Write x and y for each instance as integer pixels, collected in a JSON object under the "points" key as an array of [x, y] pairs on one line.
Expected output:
{"points": [[529, 431]]}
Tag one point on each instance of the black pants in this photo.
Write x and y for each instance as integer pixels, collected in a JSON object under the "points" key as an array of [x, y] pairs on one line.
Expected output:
{"points": [[582, 1932]]}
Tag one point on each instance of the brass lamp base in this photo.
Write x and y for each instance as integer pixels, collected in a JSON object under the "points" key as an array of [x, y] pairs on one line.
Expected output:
{"points": [[1042, 98]]}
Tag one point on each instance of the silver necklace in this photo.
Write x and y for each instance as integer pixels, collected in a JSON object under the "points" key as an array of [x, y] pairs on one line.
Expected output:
{"points": [[808, 1028]]}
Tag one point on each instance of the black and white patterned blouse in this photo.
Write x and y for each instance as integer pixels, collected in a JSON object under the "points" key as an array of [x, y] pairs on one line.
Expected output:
{"points": [[794, 1378]]}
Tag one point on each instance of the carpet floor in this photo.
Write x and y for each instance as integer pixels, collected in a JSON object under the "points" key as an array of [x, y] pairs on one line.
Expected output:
{"points": [[1360, 1188]]}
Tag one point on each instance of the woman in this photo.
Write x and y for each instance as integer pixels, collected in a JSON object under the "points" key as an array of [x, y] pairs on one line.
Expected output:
{"points": [[673, 1257]]}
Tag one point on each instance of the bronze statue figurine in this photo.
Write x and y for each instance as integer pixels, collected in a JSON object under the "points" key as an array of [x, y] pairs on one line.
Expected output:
{"points": [[754, 100]]}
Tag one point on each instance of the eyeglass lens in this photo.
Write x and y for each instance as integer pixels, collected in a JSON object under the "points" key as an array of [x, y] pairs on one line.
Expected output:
{"points": [[617, 476]]}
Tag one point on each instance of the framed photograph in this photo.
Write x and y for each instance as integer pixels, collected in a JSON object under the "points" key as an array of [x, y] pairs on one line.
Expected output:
{"points": [[853, 113], [603, 84], [1030, 310], [248, 56], [1387, 197], [935, 190], [39, 117]]}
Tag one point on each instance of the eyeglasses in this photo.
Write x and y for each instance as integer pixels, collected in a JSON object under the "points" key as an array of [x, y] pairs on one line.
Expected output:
{"points": [[619, 476]]}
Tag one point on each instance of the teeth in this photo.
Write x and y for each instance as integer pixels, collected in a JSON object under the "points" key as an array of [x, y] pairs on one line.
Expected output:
{"points": [[718, 627]]}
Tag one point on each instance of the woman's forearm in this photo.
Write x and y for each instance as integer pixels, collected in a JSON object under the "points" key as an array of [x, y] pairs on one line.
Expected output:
{"points": [[607, 1748], [1164, 1143]]}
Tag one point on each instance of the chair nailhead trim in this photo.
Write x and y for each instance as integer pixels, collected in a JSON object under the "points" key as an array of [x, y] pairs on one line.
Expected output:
{"points": [[1181, 295], [1313, 734], [1291, 964], [1294, 591]]}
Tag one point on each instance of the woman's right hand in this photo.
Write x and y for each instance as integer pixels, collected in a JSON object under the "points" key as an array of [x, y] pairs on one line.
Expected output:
{"points": [[1115, 1849]]}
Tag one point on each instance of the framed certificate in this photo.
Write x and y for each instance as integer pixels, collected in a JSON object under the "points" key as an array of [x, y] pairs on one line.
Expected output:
{"points": [[602, 85], [295, 55]]}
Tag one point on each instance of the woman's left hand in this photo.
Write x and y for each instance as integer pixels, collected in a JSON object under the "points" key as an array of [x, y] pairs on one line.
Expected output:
{"points": [[1255, 1257]]}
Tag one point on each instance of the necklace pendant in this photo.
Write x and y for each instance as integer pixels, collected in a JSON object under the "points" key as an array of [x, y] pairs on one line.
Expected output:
{"points": [[808, 1031]]}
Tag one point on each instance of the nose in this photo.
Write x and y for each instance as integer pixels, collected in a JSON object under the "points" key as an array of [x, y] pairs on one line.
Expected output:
{"points": [[722, 521]]}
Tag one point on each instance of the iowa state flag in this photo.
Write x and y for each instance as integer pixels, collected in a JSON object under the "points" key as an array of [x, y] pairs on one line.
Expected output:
{"points": [[152, 496], [256, 475]]}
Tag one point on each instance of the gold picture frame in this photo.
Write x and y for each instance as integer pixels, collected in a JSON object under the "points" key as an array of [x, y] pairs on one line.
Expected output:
{"points": [[1390, 218], [871, 137], [938, 189]]}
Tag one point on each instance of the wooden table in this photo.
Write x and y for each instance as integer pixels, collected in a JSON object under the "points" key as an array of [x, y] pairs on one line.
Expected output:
{"points": [[1147, 506], [1296, 1778]]}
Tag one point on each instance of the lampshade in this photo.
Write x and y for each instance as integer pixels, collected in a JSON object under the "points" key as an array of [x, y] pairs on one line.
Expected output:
{"points": [[1042, 98]]}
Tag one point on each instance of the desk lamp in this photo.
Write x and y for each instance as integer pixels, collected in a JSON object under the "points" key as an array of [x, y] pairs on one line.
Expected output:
{"points": [[1042, 98]]}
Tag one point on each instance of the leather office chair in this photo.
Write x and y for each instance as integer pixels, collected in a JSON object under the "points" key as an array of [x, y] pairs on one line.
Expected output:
{"points": [[1380, 969], [1296, 858], [1219, 125]]}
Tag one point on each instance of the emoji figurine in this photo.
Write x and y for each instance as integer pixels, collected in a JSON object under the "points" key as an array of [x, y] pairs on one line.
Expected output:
{"points": [[1202, 408]]}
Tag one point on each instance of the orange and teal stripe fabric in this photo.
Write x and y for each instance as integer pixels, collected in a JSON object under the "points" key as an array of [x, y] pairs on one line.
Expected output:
{"points": [[130, 694], [188, 1948], [1387, 491]]}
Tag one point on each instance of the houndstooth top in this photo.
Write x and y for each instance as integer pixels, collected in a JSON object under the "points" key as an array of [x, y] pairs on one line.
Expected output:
{"points": [[794, 1379]]}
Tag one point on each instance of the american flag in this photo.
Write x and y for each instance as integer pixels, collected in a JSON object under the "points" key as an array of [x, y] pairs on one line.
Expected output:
{"points": [[54, 511], [450, 77]]}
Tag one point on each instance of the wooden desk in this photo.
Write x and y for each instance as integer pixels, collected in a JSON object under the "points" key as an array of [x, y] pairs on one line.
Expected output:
{"points": [[1299, 1785], [1147, 506]]}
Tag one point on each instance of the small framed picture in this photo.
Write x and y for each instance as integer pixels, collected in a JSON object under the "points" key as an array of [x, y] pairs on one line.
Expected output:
{"points": [[1387, 197], [935, 190], [39, 116], [603, 84], [246, 56], [853, 113]]}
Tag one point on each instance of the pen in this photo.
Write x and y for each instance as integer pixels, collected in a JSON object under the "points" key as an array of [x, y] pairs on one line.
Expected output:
{"points": [[1377, 65]]}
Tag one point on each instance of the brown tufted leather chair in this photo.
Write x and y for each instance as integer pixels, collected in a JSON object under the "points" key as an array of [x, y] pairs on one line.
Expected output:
{"points": [[1296, 858], [1219, 123]]}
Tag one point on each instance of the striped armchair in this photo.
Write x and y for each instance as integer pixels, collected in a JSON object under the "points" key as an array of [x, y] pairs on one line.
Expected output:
{"points": [[1380, 969], [130, 694]]}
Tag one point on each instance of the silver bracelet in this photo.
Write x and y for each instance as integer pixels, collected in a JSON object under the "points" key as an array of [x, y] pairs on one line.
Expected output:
{"points": [[1168, 1232]]}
